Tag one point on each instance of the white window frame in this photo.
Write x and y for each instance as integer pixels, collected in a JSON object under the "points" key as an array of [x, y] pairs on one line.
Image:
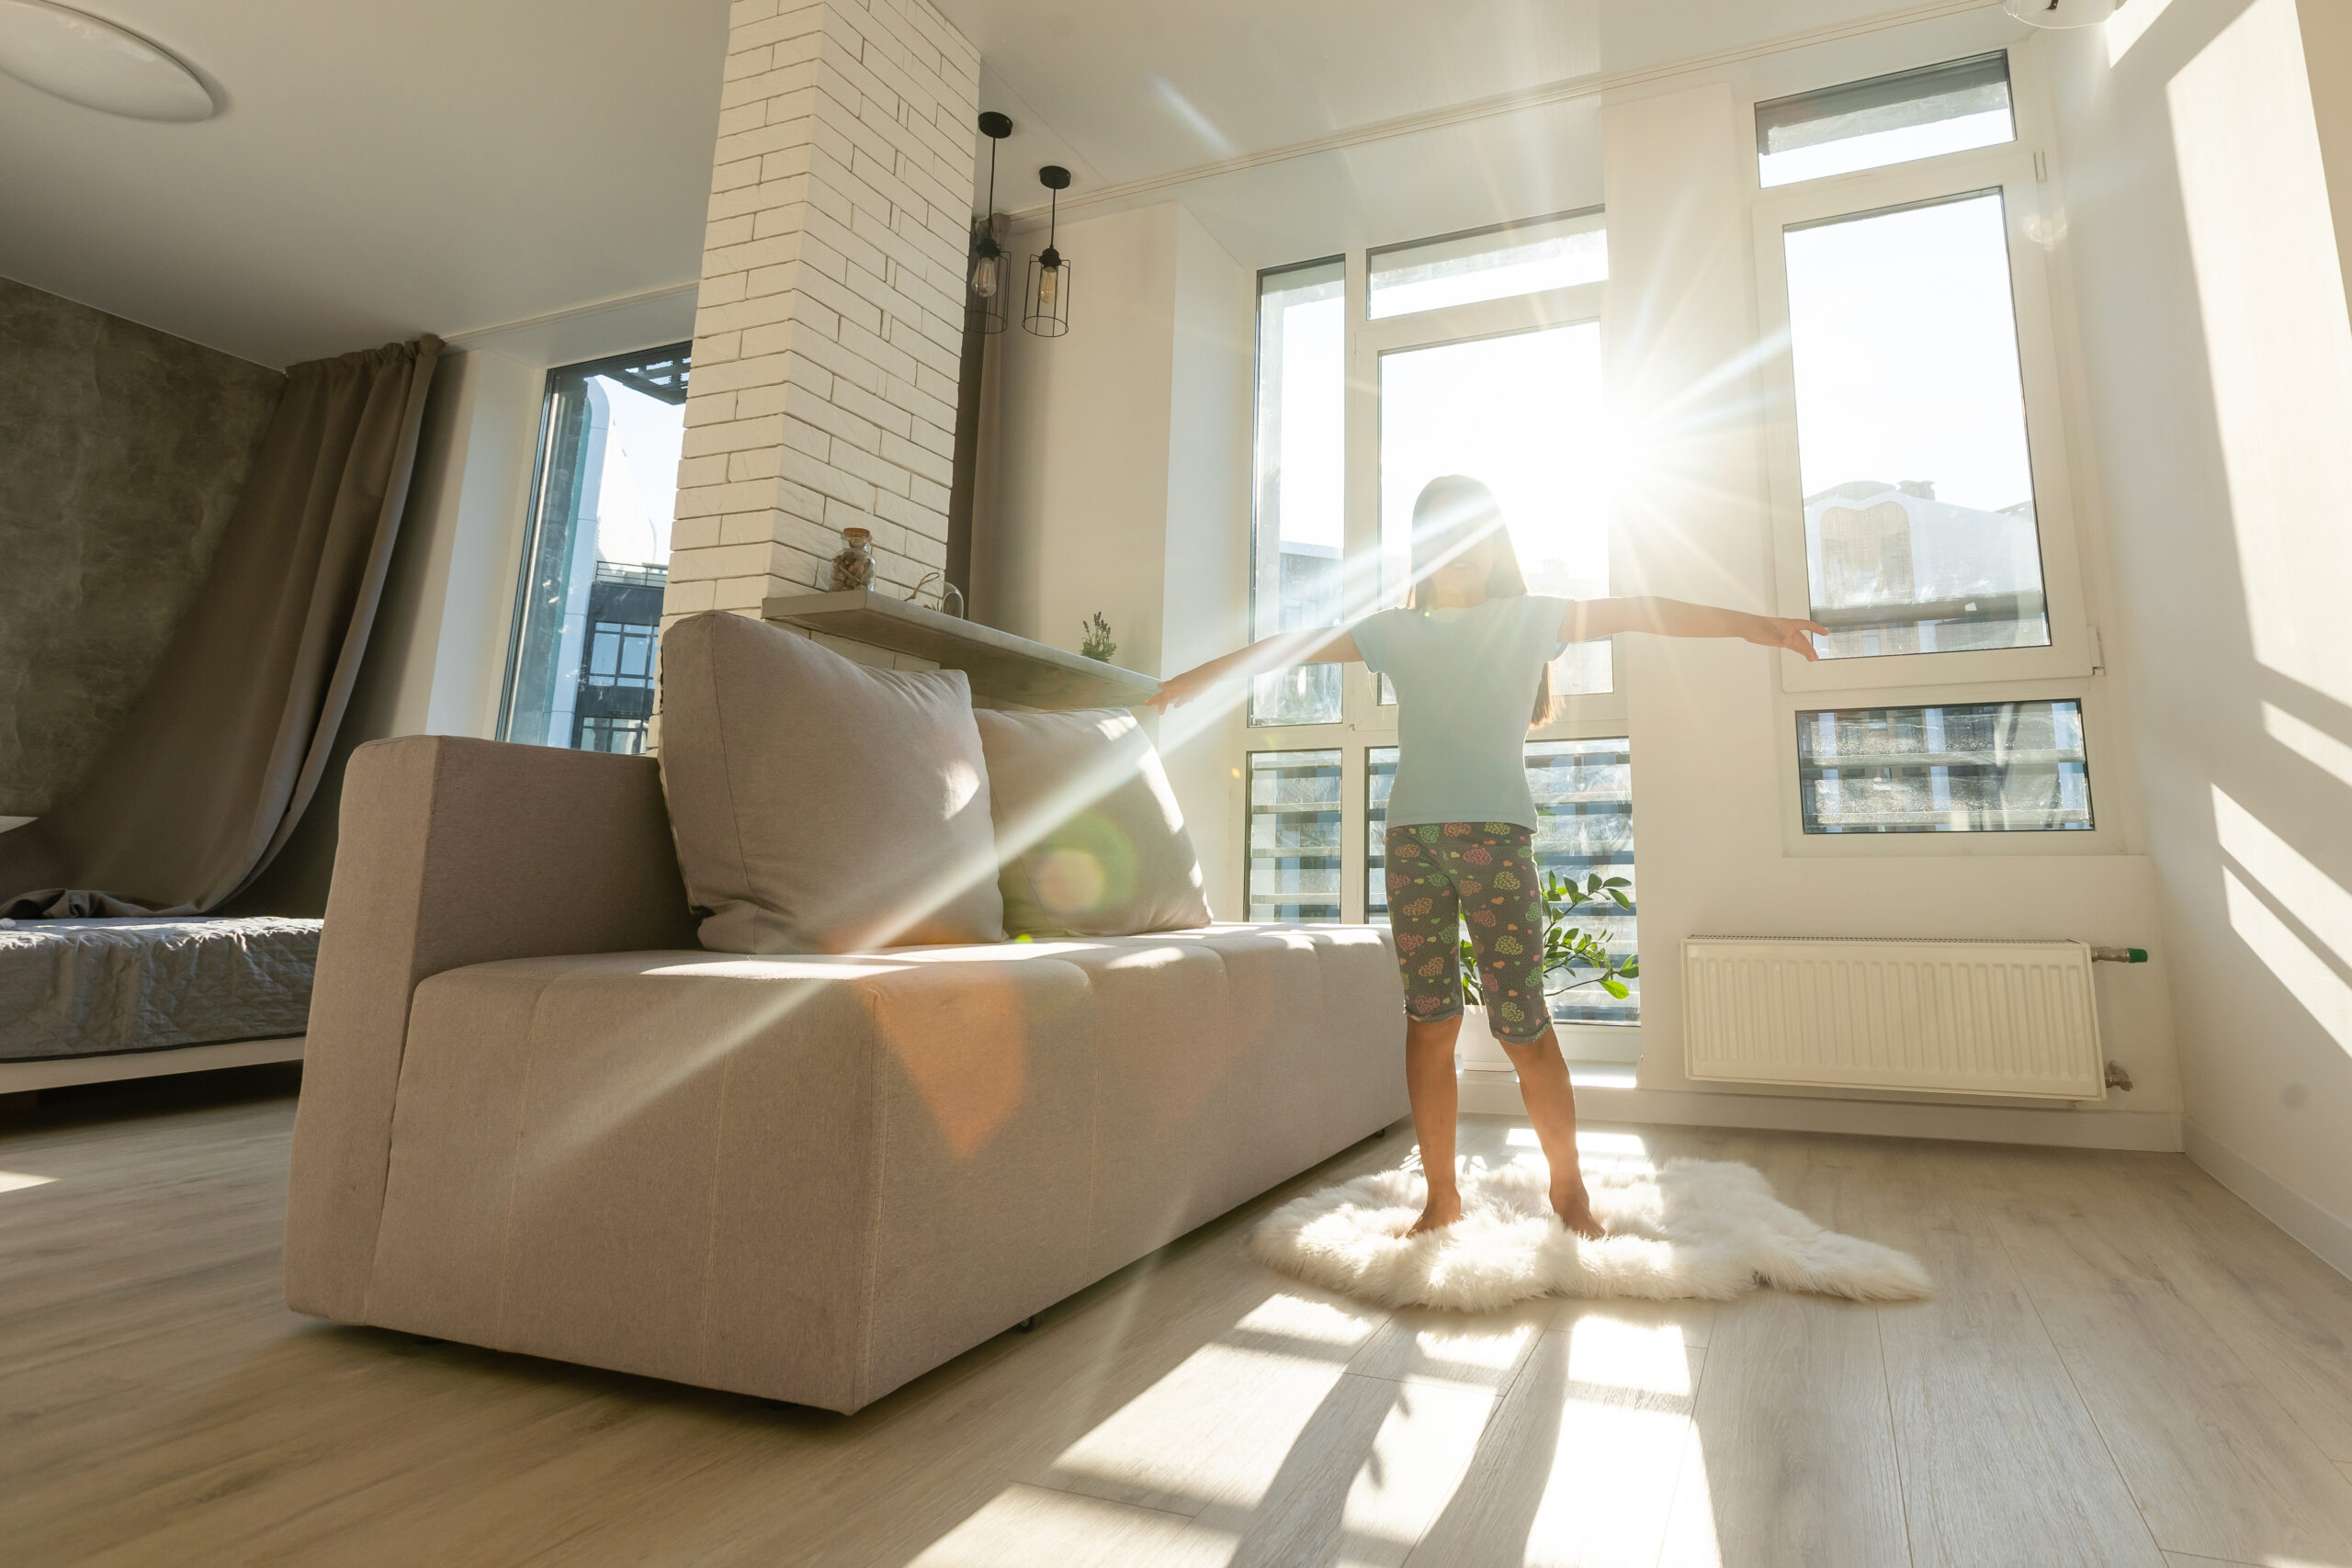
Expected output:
{"points": [[2104, 837], [2009, 169], [2071, 666]]}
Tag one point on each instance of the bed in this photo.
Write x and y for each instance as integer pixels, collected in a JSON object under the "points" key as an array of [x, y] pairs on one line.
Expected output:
{"points": [[82, 1000]]}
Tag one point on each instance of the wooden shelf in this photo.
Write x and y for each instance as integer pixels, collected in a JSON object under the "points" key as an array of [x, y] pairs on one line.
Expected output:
{"points": [[1002, 667]]}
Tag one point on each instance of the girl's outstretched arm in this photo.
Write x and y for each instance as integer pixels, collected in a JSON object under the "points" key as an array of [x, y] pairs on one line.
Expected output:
{"points": [[1317, 644], [1589, 619]]}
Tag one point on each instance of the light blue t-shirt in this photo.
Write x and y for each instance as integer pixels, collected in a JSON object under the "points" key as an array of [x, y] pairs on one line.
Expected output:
{"points": [[1466, 685]]}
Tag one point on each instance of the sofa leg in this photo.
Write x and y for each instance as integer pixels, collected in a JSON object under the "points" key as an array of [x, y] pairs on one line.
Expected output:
{"points": [[1381, 1133], [1025, 1324]]}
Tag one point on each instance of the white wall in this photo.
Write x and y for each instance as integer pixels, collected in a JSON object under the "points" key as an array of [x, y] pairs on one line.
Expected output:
{"points": [[1116, 479], [2209, 220]]}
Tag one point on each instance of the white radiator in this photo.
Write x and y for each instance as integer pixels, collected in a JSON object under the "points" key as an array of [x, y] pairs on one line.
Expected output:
{"points": [[2001, 1018]]}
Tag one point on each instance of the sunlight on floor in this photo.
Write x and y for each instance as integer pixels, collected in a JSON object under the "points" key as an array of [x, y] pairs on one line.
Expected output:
{"points": [[15, 1180]]}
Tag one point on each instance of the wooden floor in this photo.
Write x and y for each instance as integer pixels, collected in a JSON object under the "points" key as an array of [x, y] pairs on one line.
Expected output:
{"points": [[2123, 1365]]}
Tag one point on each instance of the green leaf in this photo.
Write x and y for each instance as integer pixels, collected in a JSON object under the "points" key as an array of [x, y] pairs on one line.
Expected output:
{"points": [[1614, 990], [1631, 971], [1617, 882], [1621, 901]]}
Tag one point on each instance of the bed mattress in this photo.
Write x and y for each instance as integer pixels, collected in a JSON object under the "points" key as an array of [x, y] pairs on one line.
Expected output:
{"points": [[150, 982]]}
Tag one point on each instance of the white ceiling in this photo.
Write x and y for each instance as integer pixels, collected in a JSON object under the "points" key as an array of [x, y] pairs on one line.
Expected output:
{"points": [[381, 169], [429, 165]]}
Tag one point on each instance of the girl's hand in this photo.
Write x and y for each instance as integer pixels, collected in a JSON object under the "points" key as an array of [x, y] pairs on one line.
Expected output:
{"points": [[1780, 631], [1177, 690]]}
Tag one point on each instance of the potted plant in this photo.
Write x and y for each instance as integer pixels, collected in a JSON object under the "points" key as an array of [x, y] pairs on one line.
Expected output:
{"points": [[1566, 949]]}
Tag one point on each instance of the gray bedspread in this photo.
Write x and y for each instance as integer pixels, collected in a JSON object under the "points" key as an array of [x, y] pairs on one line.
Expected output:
{"points": [[86, 988]]}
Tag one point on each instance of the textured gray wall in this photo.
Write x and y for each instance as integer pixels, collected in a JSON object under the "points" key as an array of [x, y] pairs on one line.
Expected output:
{"points": [[122, 451]]}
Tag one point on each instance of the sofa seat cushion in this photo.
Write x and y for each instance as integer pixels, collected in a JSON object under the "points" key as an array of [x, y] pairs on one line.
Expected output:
{"points": [[815, 1176]]}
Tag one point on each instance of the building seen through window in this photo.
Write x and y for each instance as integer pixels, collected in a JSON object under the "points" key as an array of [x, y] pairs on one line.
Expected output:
{"points": [[583, 669]]}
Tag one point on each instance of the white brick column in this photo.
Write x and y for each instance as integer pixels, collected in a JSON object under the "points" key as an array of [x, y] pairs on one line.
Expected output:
{"points": [[831, 316]]}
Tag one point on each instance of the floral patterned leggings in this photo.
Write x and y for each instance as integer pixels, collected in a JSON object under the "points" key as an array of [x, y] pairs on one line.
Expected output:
{"points": [[1440, 873]]}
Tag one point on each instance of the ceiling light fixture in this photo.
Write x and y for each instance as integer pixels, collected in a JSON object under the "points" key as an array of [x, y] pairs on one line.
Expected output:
{"points": [[2060, 12], [988, 256], [1049, 311], [88, 61]]}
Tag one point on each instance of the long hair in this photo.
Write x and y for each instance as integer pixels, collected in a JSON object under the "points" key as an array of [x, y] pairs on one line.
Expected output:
{"points": [[1453, 513]]}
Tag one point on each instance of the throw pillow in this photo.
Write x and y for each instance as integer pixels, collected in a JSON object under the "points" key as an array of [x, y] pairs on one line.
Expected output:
{"points": [[821, 805], [1091, 840]]}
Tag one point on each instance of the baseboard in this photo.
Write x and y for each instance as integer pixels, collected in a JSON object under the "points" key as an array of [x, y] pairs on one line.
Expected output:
{"points": [[57, 1072], [2328, 1234], [2154, 1132]]}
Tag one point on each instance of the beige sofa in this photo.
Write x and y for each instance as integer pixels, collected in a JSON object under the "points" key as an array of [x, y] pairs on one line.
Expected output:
{"points": [[536, 1117]]}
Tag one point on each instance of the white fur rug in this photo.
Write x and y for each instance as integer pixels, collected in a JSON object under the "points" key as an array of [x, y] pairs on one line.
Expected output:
{"points": [[1688, 1228]]}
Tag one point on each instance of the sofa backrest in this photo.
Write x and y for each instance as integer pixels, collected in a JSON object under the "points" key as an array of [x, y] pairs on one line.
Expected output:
{"points": [[451, 852]]}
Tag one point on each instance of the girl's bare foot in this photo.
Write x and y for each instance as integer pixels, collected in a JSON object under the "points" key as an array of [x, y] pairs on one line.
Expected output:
{"points": [[1441, 1211], [1575, 1209]]}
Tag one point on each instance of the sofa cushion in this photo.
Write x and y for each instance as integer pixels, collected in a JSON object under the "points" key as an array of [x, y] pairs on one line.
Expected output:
{"points": [[821, 805], [1091, 840]]}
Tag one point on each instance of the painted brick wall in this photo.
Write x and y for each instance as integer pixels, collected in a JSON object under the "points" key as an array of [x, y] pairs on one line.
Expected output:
{"points": [[831, 314]]}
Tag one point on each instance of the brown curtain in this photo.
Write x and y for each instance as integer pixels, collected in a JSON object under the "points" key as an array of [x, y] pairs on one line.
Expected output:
{"points": [[210, 771]]}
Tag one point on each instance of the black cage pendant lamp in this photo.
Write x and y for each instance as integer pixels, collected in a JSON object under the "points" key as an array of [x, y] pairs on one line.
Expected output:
{"points": [[987, 297], [1048, 312]]}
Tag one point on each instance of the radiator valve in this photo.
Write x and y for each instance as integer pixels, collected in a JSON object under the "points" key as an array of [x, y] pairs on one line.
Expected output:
{"points": [[2117, 1078], [2119, 955]]}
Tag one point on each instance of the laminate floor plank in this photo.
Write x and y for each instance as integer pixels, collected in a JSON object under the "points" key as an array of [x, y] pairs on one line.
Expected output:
{"points": [[2111, 1333], [2216, 1464], [2001, 1461], [1790, 1455], [2284, 1313], [1577, 1468]]}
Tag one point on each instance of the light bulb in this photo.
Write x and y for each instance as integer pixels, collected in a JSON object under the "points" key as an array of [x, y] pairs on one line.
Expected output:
{"points": [[984, 276], [1048, 286]]}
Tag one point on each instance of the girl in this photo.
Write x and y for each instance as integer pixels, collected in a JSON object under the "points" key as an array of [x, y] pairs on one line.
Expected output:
{"points": [[1469, 656]]}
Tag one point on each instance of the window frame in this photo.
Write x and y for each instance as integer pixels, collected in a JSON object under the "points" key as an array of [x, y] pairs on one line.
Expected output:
{"points": [[2008, 169], [1364, 723], [534, 522], [1252, 728], [2100, 745]]}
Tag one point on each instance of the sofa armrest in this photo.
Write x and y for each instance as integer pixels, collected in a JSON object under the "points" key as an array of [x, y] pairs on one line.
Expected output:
{"points": [[451, 852]]}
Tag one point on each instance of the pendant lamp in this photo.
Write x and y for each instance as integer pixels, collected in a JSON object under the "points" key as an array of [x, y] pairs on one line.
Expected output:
{"points": [[1048, 312], [986, 280]]}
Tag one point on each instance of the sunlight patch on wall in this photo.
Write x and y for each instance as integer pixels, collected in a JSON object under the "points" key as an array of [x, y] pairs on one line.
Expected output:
{"points": [[2306, 976], [2314, 745], [16, 1181], [2129, 24], [2308, 893], [2278, 336]]}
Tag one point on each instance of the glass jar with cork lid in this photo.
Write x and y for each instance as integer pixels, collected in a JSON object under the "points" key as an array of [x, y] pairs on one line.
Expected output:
{"points": [[852, 566]]}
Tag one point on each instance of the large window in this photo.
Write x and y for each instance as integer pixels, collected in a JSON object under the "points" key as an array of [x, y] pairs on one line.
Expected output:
{"points": [[1920, 534], [1476, 354], [1950, 768], [1584, 806], [581, 669], [1301, 478], [1521, 411]]}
